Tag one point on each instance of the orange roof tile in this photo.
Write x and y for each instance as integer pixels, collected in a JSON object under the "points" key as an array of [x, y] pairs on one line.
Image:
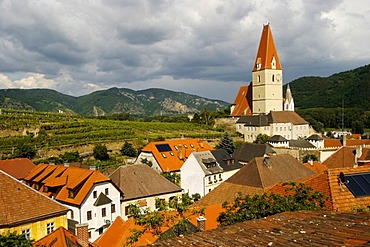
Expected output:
{"points": [[343, 199], [316, 167], [243, 102], [180, 150], [116, 235], [331, 143], [17, 168], [19, 203], [266, 51], [78, 179], [345, 157], [60, 237]]}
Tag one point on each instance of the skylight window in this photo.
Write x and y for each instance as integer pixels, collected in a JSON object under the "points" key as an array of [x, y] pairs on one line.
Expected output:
{"points": [[358, 184], [164, 155]]}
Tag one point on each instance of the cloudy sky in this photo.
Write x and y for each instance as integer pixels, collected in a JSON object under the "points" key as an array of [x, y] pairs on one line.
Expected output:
{"points": [[204, 48]]}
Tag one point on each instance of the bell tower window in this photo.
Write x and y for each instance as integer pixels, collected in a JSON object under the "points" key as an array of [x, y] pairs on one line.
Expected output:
{"points": [[273, 63], [258, 78], [273, 78], [258, 65]]}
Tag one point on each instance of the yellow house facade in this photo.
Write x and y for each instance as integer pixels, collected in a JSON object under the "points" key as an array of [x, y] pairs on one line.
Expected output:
{"points": [[26, 211]]}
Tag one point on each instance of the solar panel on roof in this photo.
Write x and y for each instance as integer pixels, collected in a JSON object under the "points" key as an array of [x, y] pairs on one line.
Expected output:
{"points": [[163, 147], [358, 184]]}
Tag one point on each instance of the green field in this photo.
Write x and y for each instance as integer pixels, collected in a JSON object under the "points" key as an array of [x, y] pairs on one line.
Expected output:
{"points": [[55, 131]]}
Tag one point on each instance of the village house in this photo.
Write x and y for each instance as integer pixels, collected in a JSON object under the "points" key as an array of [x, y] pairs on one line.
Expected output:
{"points": [[256, 177], [170, 155], [248, 151], [204, 171], [91, 196], [27, 211], [142, 185]]}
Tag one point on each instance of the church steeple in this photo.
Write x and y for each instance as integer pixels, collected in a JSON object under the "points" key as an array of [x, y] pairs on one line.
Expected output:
{"points": [[267, 56], [267, 76]]}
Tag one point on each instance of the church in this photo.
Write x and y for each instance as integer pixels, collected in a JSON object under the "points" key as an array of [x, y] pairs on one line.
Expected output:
{"points": [[260, 106]]}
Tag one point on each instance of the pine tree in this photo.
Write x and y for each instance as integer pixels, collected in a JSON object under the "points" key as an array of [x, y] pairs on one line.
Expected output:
{"points": [[226, 143]]}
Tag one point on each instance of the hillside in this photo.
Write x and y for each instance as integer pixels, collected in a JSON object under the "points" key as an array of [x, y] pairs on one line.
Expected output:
{"points": [[115, 100], [328, 92]]}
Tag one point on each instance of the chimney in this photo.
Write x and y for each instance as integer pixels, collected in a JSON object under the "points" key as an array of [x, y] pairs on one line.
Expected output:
{"points": [[82, 233], [179, 151], [93, 168], [201, 221], [358, 154], [266, 161], [310, 162], [344, 140], [66, 164]]}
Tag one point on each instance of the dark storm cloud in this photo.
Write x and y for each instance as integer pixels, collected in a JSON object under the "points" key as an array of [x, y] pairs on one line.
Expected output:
{"points": [[200, 47]]}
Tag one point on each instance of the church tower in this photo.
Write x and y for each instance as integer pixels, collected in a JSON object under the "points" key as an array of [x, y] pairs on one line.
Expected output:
{"points": [[267, 76]]}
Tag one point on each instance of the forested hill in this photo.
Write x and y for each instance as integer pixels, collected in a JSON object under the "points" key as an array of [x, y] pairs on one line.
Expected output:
{"points": [[329, 92], [111, 101]]}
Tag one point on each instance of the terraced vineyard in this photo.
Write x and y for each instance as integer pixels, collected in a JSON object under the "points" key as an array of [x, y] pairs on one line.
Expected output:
{"points": [[56, 131]]}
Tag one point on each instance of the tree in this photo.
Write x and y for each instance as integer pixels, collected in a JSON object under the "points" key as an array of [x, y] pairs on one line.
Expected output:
{"points": [[308, 157], [128, 150], [147, 162], [100, 152], [300, 197], [261, 138], [226, 143], [69, 157], [25, 150], [14, 239], [358, 127], [172, 176], [174, 215]]}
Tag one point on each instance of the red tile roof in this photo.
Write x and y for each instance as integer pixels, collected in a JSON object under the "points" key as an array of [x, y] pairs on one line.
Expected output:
{"points": [[17, 168], [180, 150], [117, 234], [60, 237], [243, 102], [266, 51], [20, 204], [343, 199], [303, 228], [67, 178], [316, 167], [345, 157]]}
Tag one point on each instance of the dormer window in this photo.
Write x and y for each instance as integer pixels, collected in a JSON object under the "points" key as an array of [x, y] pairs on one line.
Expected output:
{"points": [[71, 194]]}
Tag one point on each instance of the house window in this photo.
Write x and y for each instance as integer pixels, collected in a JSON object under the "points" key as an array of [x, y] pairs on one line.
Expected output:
{"points": [[95, 194], [27, 233], [89, 234], [127, 210], [107, 191], [89, 215], [219, 176], [103, 212], [210, 179], [113, 208], [209, 190], [214, 177], [72, 216], [49, 227], [100, 230]]}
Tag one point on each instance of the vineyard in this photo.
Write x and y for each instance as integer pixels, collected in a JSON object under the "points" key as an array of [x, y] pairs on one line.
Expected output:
{"points": [[57, 131]]}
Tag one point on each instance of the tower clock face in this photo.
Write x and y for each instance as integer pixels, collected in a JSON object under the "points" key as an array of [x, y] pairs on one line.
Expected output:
{"points": [[278, 77]]}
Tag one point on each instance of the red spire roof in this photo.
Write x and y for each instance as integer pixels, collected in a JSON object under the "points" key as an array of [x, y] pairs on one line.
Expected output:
{"points": [[267, 51]]}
